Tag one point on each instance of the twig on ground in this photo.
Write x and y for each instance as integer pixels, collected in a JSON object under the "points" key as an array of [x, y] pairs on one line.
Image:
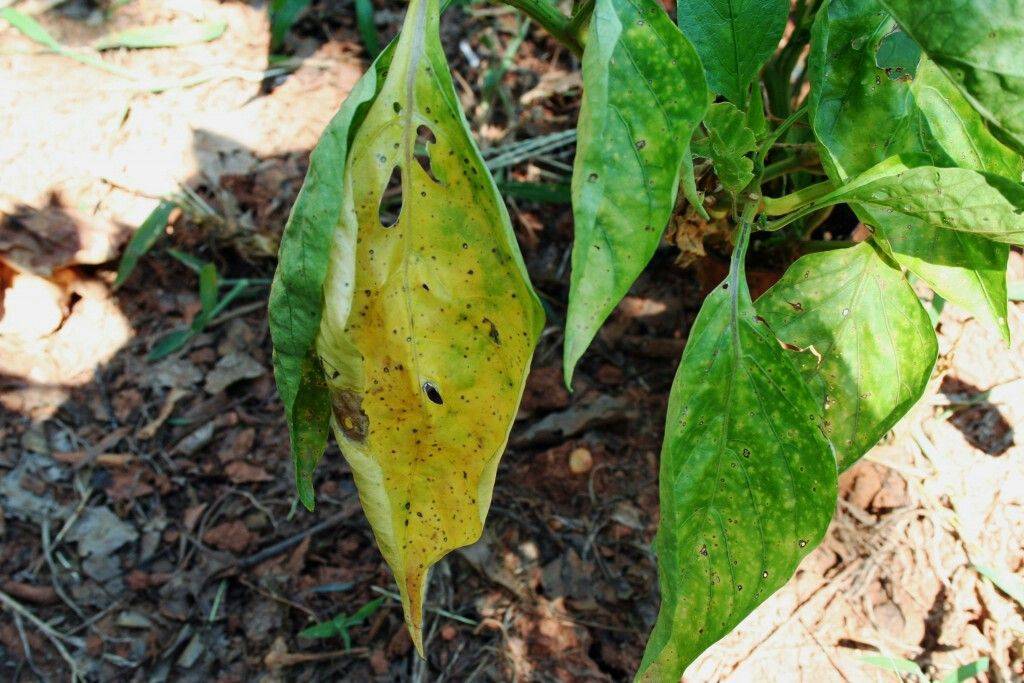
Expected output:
{"points": [[51, 634]]}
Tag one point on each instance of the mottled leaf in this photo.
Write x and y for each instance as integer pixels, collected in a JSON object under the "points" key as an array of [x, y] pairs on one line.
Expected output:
{"points": [[747, 483], [978, 44], [643, 94], [905, 194], [952, 126], [734, 39], [429, 320], [861, 116], [869, 346], [727, 145]]}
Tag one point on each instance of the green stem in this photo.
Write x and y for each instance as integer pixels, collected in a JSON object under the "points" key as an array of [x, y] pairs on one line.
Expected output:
{"points": [[784, 166], [797, 200], [556, 23], [766, 146], [581, 16]]}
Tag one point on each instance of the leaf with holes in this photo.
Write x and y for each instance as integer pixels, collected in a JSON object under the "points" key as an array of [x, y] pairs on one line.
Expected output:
{"points": [[861, 115], [868, 344], [747, 482], [977, 43], [429, 321], [635, 123], [734, 38]]}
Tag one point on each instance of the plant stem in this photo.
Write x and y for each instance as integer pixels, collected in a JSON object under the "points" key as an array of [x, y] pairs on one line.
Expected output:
{"points": [[796, 200], [784, 166], [556, 23]]}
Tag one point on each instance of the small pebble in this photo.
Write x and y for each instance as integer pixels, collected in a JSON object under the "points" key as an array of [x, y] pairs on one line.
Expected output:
{"points": [[580, 461]]}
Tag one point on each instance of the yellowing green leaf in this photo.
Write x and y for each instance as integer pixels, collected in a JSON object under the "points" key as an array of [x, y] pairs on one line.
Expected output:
{"points": [[869, 347], [861, 116], [429, 321], [747, 482], [643, 94]]}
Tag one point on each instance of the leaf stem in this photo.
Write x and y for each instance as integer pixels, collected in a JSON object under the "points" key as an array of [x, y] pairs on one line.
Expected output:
{"points": [[766, 146], [796, 200], [556, 23]]}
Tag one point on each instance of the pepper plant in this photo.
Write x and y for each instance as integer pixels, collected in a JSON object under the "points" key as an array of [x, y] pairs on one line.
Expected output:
{"points": [[409, 332]]}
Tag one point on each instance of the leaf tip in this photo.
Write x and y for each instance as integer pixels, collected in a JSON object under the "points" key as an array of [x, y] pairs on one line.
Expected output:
{"points": [[304, 487]]}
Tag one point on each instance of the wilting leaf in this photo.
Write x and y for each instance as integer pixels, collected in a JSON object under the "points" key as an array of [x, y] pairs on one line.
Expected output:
{"points": [[429, 321], [734, 38], [860, 116], [977, 43], [869, 347], [643, 94], [728, 143], [162, 36], [747, 483]]}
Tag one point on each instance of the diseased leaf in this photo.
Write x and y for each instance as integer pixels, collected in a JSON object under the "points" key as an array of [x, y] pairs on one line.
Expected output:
{"points": [[957, 129], [747, 482], [734, 38], [429, 320], [860, 116], [643, 94], [905, 194], [977, 43], [869, 346], [308, 426], [728, 143]]}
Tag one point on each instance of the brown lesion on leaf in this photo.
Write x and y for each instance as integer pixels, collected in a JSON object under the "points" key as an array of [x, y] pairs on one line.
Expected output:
{"points": [[347, 407]]}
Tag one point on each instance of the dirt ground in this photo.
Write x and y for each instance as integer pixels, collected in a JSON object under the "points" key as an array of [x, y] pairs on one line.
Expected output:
{"points": [[149, 529]]}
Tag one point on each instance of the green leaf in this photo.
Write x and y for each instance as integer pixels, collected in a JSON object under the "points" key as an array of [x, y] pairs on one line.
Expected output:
{"points": [[427, 321], [734, 38], [859, 115], [905, 195], [634, 125], [172, 35], [747, 483], [283, 14], [209, 283], [143, 240], [977, 43], [728, 143], [898, 55], [967, 671], [308, 427], [1011, 584], [869, 347], [897, 665], [297, 295], [367, 29], [956, 129]]}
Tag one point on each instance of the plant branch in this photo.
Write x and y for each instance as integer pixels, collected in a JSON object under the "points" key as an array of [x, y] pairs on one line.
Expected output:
{"points": [[556, 23], [796, 200]]}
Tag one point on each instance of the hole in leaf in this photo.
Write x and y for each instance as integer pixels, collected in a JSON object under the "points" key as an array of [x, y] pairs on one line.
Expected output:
{"points": [[397, 107], [391, 199], [424, 138], [431, 390]]}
